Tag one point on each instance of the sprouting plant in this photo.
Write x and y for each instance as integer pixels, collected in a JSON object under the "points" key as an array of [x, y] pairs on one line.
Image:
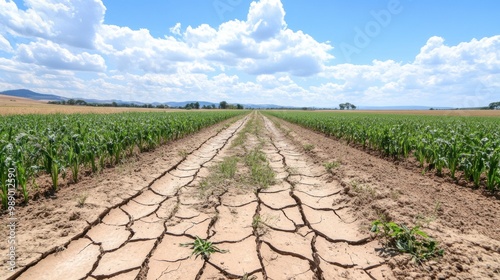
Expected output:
{"points": [[308, 147], [203, 248], [258, 225], [256, 222], [408, 240], [261, 173], [227, 167], [81, 199], [183, 153], [331, 165], [248, 277]]}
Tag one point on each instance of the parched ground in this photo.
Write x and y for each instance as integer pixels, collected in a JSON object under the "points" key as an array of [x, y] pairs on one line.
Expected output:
{"points": [[48, 223], [258, 190], [463, 220]]}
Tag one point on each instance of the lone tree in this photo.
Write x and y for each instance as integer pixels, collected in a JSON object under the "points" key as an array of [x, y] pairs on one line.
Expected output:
{"points": [[223, 105], [347, 106], [494, 106]]}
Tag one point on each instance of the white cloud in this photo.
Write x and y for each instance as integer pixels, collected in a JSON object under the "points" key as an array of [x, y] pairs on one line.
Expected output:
{"points": [[255, 60], [260, 45], [266, 19], [4, 44], [133, 50], [439, 74], [52, 55], [176, 29], [71, 22]]}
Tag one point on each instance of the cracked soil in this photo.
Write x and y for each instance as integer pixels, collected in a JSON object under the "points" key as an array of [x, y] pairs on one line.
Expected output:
{"points": [[306, 223]]}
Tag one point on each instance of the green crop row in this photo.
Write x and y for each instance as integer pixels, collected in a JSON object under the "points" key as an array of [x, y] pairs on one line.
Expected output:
{"points": [[53, 144], [467, 144]]}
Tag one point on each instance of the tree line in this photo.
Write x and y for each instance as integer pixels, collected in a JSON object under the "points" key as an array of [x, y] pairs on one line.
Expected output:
{"points": [[189, 106]]}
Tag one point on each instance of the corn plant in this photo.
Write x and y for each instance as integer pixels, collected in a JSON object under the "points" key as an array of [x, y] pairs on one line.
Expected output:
{"points": [[439, 144], [408, 240], [51, 144], [203, 248]]}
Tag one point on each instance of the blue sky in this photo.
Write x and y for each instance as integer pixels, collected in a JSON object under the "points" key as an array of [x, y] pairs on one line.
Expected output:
{"points": [[288, 52]]}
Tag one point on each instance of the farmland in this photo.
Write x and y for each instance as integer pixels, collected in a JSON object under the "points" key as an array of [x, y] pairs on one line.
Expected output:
{"points": [[470, 145], [11, 105], [275, 199], [60, 144]]}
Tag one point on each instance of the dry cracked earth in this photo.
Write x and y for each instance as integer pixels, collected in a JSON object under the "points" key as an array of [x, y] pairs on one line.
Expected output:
{"points": [[294, 227]]}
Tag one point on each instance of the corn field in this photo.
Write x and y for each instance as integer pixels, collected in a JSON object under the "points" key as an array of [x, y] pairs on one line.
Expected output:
{"points": [[467, 145], [61, 145]]}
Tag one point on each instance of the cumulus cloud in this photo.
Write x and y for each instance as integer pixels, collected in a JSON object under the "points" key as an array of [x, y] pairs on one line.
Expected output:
{"points": [[263, 44], [266, 19], [176, 29], [260, 45], [4, 44], [52, 55], [137, 50], [255, 60], [439, 74], [71, 22]]}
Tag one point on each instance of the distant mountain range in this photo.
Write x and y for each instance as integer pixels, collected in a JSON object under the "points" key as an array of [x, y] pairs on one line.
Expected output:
{"points": [[26, 93]]}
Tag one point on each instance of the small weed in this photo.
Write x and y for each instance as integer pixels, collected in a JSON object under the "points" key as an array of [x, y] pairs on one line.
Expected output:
{"points": [[256, 222], [260, 171], [227, 167], [258, 225], [183, 153], [219, 176], [242, 135], [395, 194], [331, 165], [407, 240], [203, 248], [308, 147], [362, 189], [204, 185], [81, 199], [247, 277]]}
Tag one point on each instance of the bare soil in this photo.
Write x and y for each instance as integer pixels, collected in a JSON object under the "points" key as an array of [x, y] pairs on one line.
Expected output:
{"points": [[310, 223], [464, 220]]}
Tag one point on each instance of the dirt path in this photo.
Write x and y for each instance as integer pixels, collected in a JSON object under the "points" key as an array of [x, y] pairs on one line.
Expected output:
{"points": [[289, 227]]}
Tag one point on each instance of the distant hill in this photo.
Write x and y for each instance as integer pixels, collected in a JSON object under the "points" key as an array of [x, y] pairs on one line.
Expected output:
{"points": [[26, 93]]}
